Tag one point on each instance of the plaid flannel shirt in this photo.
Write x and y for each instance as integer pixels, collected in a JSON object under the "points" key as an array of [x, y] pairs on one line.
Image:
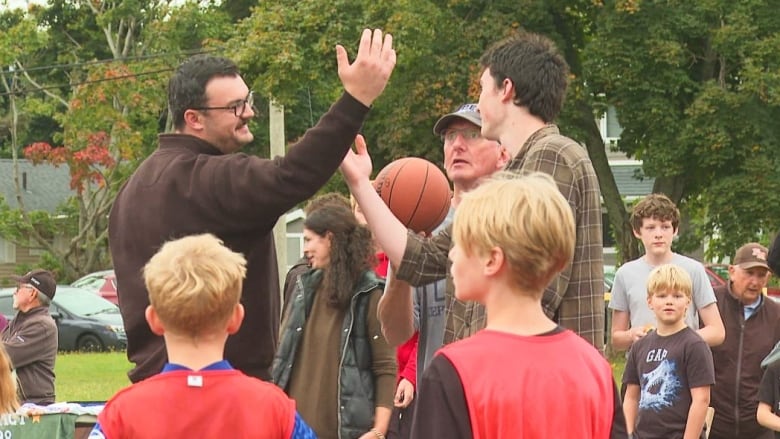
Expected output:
{"points": [[575, 298]]}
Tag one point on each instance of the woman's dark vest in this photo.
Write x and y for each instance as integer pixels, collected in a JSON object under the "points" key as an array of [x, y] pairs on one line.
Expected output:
{"points": [[356, 380]]}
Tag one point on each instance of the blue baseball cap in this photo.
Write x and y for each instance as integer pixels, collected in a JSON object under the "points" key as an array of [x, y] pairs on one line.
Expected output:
{"points": [[466, 112]]}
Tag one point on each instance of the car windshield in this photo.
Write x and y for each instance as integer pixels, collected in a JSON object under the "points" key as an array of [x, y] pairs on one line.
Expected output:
{"points": [[90, 283], [85, 303]]}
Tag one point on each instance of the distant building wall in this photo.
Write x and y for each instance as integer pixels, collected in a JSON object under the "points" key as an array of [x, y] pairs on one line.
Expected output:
{"points": [[43, 187]]}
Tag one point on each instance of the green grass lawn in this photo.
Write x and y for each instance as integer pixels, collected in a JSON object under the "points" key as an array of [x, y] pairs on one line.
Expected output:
{"points": [[96, 377], [618, 362], [90, 377]]}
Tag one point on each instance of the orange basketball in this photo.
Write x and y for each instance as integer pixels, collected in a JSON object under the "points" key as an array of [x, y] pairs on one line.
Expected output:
{"points": [[416, 191]]}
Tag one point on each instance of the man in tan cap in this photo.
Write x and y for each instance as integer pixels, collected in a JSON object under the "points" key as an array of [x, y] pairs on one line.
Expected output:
{"points": [[31, 337], [752, 322]]}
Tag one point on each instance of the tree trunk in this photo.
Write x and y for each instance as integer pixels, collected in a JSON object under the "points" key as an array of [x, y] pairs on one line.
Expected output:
{"points": [[673, 187], [628, 247]]}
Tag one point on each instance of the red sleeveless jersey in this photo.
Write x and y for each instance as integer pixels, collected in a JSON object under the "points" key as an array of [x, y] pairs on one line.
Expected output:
{"points": [[552, 386], [199, 404]]}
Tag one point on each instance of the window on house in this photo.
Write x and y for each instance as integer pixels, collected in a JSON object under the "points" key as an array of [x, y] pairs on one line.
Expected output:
{"points": [[613, 128], [7, 252], [609, 127], [294, 248]]}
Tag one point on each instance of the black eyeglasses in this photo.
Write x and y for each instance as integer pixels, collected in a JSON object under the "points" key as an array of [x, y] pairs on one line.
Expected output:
{"points": [[238, 108]]}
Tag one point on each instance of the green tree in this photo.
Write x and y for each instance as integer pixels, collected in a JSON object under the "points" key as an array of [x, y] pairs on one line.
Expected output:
{"points": [[109, 110], [288, 53], [695, 85], [438, 44], [20, 42]]}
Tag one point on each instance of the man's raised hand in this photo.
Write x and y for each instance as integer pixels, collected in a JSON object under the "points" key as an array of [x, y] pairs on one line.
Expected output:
{"points": [[367, 76]]}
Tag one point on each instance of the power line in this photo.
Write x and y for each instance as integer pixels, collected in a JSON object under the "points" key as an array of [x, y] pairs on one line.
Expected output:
{"points": [[115, 78], [103, 61], [123, 59]]}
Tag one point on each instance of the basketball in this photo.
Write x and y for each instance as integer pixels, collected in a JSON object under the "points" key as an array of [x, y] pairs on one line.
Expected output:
{"points": [[416, 191]]}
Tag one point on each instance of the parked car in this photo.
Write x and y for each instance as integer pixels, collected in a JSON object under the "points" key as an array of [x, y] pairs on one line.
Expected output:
{"points": [[719, 275], [85, 321], [101, 282]]}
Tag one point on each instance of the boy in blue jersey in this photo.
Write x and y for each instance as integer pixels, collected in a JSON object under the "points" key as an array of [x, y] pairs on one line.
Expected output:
{"points": [[194, 286]]}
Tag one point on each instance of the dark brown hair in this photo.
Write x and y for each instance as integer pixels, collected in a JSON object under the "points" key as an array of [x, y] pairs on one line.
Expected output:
{"points": [[535, 67], [351, 251], [657, 206], [187, 87]]}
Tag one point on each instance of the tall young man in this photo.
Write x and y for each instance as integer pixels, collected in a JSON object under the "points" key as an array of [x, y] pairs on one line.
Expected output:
{"points": [[524, 83]]}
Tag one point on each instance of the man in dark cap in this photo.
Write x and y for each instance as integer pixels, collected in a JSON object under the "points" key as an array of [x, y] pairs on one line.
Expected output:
{"points": [[468, 158], [31, 337], [752, 322]]}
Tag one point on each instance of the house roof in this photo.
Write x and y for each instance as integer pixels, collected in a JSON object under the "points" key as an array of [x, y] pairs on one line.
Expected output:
{"points": [[294, 215], [630, 179], [44, 186]]}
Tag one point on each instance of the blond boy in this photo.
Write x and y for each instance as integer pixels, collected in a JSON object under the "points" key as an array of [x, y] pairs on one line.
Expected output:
{"points": [[194, 286], [523, 375], [669, 371]]}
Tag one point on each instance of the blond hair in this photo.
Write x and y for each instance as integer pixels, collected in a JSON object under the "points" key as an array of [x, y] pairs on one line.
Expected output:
{"points": [[527, 218], [194, 284], [669, 277], [9, 400]]}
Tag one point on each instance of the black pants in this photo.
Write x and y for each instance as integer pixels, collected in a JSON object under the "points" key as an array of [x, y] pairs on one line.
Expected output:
{"points": [[401, 422]]}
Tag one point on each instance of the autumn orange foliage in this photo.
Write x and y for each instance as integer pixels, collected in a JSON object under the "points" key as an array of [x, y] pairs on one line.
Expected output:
{"points": [[87, 165]]}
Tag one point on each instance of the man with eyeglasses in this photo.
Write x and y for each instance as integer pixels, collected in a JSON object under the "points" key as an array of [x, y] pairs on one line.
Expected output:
{"points": [[31, 337], [468, 158], [196, 182]]}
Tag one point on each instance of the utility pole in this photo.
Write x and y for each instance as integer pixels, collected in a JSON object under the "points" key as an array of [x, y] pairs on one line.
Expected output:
{"points": [[10, 88], [276, 135]]}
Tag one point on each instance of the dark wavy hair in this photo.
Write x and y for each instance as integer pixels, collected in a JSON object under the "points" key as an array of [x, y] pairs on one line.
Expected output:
{"points": [[535, 67], [351, 251], [187, 87]]}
